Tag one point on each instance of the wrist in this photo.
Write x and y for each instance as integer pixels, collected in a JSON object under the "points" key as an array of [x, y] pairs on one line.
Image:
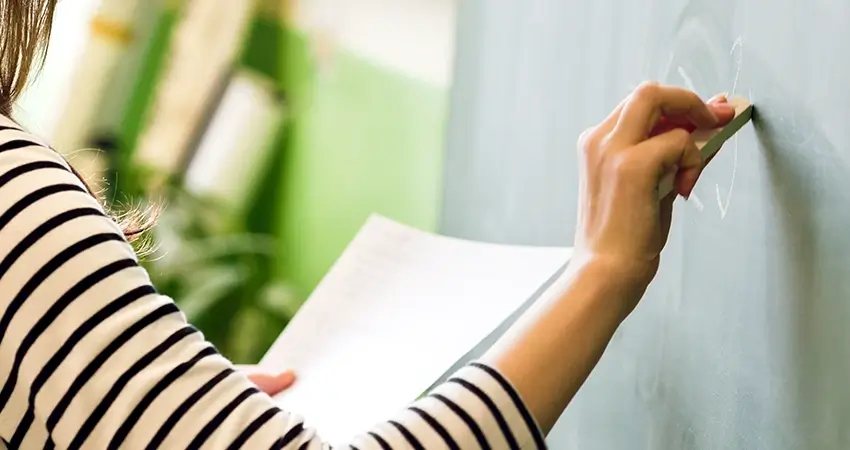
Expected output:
{"points": [[618, 283], [552, 349]]}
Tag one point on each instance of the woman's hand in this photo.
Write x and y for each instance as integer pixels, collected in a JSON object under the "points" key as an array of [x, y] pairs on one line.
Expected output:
{"points": [[622, 226], [271, 384]]}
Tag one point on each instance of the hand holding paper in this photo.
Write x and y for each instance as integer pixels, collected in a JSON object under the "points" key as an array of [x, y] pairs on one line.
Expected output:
{"points": [[396, 311]]}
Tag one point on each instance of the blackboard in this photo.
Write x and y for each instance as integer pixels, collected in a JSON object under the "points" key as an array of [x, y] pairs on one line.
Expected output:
{"points": [[743, 340]]}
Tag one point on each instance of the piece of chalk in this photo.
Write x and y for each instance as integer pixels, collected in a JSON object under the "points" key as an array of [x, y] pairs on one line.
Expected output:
{"points": [[709, 141]]}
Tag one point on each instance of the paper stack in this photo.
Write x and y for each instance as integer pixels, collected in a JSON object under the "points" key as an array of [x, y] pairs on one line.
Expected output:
{"points": [[398, 309]]}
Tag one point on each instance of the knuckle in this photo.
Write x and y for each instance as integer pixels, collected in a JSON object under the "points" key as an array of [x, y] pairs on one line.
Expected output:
{"points": [[648, 90], [694, 97], [623, 164], [693, 100], [589, 140], [682, 138]]}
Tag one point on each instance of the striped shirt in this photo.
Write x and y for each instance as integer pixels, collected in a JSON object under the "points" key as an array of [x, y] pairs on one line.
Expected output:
{"points": [[91, 356]]}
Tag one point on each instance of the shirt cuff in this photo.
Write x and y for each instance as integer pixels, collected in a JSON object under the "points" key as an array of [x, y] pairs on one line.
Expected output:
{"points": [[498, 395]]}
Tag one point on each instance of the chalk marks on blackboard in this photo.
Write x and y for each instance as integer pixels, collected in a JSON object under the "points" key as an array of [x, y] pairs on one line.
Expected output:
{"points": [[724, 207], [696, 202], [738, 45], [689, 83], [723, 193], [739, 58], [665, 72]]}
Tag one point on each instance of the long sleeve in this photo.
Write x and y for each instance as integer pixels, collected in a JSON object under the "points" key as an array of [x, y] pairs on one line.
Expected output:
{"points": [[91, 356]]}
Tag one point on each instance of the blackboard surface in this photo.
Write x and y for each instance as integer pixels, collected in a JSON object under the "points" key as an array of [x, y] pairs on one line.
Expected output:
{"points": [[743, 340]]}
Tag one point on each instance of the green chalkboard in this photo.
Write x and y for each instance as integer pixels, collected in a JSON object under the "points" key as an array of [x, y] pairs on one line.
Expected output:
{"points": [[742, 342]]}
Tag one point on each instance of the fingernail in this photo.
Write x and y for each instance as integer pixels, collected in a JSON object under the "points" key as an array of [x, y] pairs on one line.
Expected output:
{"points": [[716, 99]]}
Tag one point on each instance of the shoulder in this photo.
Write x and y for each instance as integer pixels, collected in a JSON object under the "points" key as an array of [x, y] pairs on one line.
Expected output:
{"points": [[28, 163], [44, 204], [18, 147]]}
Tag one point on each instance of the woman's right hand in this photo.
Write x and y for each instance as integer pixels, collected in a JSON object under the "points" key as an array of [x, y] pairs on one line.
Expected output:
{"points": [[621, 223], [622, 227]]}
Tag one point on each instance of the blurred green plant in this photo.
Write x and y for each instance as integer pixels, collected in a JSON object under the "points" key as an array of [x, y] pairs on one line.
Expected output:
{"points": [[220, 273], [219, 263]]}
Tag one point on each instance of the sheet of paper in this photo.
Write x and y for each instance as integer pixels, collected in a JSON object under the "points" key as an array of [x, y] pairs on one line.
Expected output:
{"points": [[398, 308]]}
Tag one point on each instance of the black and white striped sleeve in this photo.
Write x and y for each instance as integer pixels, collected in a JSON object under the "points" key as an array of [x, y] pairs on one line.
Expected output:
{"points": [[92, 357]]}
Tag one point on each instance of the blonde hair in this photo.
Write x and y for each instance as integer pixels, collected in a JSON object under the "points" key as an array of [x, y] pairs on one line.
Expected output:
{"points": [[25, 27]]}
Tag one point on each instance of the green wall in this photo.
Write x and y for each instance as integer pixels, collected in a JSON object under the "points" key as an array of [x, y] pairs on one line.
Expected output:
{"points": [[363, 139], [360, 139], [135, 116]]}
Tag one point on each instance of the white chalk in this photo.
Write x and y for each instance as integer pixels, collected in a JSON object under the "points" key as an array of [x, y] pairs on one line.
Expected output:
{"points": [[710, 141]]}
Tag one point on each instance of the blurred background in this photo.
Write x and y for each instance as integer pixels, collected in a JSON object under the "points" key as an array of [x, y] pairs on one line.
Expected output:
{"points": [[268, 129]]}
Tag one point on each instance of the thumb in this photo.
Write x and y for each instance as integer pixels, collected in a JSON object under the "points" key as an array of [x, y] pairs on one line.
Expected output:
{"points": [[273, 384], [676, 151]]}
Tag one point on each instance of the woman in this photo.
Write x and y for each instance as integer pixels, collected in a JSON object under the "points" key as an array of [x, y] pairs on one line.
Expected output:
{"points": [[92, 357]]}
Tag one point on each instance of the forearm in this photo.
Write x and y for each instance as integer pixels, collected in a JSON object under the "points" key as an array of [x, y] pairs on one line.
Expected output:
{"points": [[550, 352]]}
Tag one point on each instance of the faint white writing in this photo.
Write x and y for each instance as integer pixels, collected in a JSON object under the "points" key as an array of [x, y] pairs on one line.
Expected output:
{"points": [[694, 200], [739, 57], [689, 83]]}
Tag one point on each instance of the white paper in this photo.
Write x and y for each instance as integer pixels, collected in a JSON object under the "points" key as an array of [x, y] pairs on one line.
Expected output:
{"points": [[398, 308]]}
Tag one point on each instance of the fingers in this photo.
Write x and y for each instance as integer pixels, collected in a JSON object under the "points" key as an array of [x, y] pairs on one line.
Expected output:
{"points": [[718, 98], [674, 150], [605, 126], [653, 126], [650, 102], [665, 211], [273, 384], [608, 124], [722, 110]]}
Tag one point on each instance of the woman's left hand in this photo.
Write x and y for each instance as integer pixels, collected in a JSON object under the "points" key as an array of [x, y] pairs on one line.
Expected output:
{"points": [[271, 384]]}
